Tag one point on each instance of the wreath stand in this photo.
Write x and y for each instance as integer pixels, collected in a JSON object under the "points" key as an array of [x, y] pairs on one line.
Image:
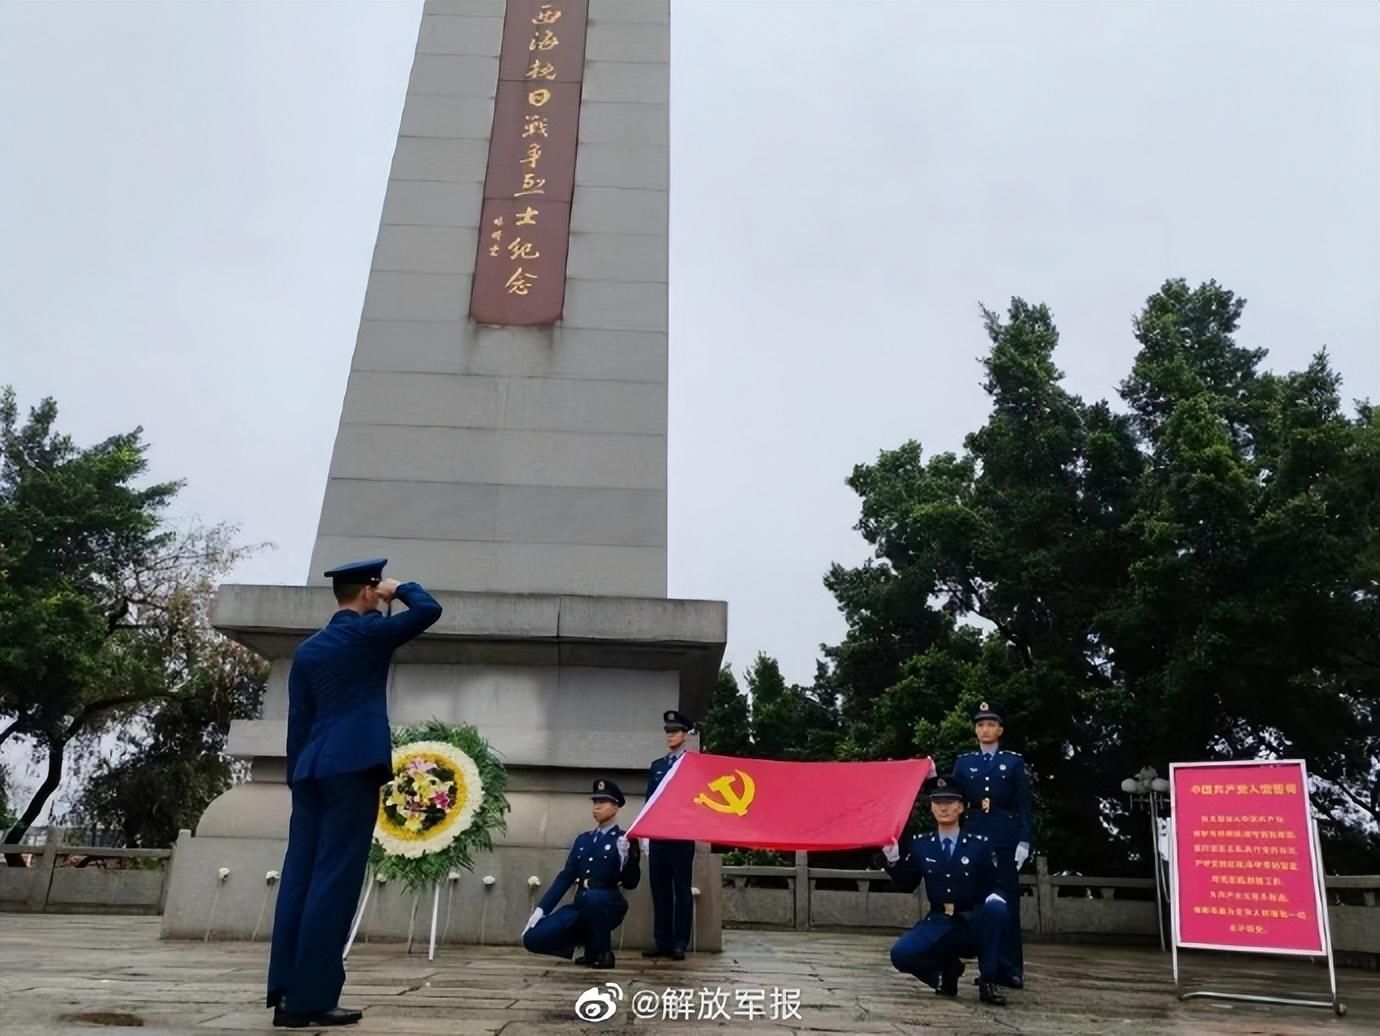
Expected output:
{"points": [[411, 924]]}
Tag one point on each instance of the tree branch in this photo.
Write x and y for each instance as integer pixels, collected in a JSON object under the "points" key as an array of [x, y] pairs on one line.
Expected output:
{"points": [[5, 735], [95, 708], [1370, 809]]}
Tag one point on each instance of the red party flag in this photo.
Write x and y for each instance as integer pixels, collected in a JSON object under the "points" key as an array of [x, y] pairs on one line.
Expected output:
{"points": [[770, 804]]}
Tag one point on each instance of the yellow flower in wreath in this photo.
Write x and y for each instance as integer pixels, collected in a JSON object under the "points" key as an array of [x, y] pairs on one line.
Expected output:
{"points": [[433, 797]]}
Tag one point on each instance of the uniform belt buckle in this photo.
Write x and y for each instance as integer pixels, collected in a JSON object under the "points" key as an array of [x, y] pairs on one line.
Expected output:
{"points": [[987, 805], [949, 909]]}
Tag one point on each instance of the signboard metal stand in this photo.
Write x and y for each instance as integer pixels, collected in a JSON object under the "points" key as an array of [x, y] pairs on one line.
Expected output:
{"points": [[1320, 894]]}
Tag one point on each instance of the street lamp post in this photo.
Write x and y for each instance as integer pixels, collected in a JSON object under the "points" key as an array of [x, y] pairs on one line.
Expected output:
{"points": [[1151, 791]]}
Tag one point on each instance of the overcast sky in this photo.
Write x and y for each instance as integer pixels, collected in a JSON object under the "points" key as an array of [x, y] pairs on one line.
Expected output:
{"points": [[189, 195]]}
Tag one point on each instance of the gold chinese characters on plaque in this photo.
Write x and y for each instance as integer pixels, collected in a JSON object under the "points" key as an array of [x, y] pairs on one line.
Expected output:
{"points": [[519, 276]]}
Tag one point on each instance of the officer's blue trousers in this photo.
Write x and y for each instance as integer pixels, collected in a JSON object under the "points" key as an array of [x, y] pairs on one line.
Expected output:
{"points": [[588, 922], [328, 851], [1009, 885], [940, 940], [669, 870]]}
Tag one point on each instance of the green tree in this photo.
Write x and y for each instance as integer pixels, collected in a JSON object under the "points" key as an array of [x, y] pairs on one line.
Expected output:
{"points": [[175, 763], [727, 727], [788, 721], [92, 584], [1250, 626], [1196, 578]]}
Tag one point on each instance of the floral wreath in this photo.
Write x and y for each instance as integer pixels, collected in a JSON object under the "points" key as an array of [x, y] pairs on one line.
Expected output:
{"points": [[442, 805]]}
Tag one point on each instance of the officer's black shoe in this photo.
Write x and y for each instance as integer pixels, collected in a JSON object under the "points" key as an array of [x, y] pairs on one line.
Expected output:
{"points": [[1012, 982], [987, 993], [335, 1016], [654, 953], [677, 955], [948, 979], [603, 961]]}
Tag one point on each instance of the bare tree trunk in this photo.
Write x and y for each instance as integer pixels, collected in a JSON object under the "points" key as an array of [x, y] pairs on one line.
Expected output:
{"points": [[51, 780]]}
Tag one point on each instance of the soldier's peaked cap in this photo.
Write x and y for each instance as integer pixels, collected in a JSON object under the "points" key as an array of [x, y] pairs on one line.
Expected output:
{"points": [[606, 789], [673, 720], [362, 572], [987, 710], [940, 786]]}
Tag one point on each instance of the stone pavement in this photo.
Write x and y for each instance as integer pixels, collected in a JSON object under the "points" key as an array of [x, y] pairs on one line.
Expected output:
{"points": [[67, 974]]}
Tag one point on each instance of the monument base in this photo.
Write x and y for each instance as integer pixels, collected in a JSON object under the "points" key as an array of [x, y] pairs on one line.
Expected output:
{"points": [[241, 906], [564, 689]]}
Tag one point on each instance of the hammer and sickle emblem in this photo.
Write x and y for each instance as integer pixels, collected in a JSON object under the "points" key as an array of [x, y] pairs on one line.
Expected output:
{"points": [[729, 801]]}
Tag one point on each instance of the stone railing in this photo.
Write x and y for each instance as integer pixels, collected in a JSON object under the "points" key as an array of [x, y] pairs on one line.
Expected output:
{"points": [[51, 882], [1053, 906]]}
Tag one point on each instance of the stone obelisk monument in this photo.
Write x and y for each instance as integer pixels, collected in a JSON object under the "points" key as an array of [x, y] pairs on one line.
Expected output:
{"points": [[503, 441]]}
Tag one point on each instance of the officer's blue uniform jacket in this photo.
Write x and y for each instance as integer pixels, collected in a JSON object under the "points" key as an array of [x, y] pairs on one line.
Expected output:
{"points": [[337, 689], [598, 876], [962, 921], [996, 790], [661, 766], [963, 881], [593, 863]]}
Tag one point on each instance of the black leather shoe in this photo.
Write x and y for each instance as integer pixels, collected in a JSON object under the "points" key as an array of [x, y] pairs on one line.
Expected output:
{"points": [[987, 993], [677, 954], [603, 961], [335, 1016], [654, 953], [1012, 982], [948, 979]]}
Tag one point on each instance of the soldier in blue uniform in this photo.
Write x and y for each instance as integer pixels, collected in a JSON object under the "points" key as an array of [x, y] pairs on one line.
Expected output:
{"points": [[339, 753], [997, 792], [669, 863], [601, 862], [966, 915]]}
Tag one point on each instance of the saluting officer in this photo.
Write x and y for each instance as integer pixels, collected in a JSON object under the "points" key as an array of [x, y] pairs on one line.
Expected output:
{"points": [[669, 863], [997, 792], [601, 862], [966, 913], [339, 752]]}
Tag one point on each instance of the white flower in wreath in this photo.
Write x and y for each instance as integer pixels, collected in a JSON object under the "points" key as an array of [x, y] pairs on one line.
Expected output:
{"points": [[407, 824]]}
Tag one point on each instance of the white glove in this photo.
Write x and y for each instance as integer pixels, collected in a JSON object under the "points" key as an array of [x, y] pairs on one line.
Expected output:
{"points": [[1022, 854], [646, 844], [623, 847], [892, 852], [994, 898], [537, 915]]}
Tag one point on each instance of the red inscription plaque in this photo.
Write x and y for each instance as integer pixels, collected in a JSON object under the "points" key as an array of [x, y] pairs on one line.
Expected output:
{"points": [[519, 276]]}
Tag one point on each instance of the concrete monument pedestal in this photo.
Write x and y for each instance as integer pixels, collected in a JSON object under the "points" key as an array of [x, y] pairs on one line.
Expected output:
{"points": [[517, 471]]}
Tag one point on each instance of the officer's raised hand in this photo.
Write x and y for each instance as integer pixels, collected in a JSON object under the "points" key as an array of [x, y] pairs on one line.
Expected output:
{"points": [[1022, 854], [623, 847], [892, 851], [387, 588]]}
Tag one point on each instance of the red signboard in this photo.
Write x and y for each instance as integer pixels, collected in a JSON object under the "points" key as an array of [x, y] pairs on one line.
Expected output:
{"points": [[1247, 874], [519, 275]]}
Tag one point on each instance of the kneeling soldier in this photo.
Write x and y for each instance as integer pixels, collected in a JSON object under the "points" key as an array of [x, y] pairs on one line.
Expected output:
{"points": [[600, 863], [966, 916]]}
